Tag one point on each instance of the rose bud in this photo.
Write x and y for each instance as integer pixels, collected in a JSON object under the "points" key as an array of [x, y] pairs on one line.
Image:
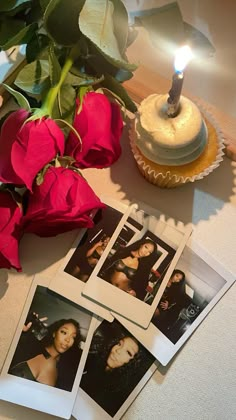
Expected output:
{"points": [[25, 148], [62, 202], [99, 124]]}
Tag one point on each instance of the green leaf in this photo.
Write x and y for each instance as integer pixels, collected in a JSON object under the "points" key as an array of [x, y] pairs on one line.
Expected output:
{"points": [[67, 128], [96, 22], [44, 4], [34, 77], [54, 66], [61, 21], [66, 161], [82, 93], [9, 28], [40, 176], [7, 5], [21, 36], [123, 75], [64, 106], [34, 13], [121, 24], [82, 79], [21, 100], [112, 84], [164, 25], [199, 43], [36, 46]]}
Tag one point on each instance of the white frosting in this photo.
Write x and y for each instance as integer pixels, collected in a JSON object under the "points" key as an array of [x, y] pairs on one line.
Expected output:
{"points": [[170, 141]]}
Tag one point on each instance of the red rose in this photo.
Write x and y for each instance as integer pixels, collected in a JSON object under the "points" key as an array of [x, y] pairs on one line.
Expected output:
{"points": [[62, 202], [26, 148], [10, 231], [99, 124]]}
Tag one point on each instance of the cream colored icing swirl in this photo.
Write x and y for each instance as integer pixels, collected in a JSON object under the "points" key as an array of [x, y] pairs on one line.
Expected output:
{"points": [[167, 140]]}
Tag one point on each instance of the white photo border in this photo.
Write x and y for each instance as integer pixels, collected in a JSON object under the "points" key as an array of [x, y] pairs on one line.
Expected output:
{"points": [[34, 395], [71, 287], [120, 302], [157, 342]]}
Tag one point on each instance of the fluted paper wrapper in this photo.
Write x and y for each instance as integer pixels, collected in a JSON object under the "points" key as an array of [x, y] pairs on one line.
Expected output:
{"points": [[170, 179]]}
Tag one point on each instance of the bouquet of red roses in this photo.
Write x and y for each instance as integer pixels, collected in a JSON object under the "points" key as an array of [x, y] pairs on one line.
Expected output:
{"points": [[36, 156], [69, 118], [74, 53]]}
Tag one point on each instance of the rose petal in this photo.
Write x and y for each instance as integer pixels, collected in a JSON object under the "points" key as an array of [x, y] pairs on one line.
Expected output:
{"points": [[100, 127], [63, 201], [10, 231], [37, 144], [9, 131]]}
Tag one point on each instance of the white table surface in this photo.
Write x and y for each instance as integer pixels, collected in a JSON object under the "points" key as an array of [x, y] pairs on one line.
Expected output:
{"points": [[200, 382]]}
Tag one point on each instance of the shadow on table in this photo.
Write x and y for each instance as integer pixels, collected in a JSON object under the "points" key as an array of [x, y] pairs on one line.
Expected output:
{"points": [[38, 254], [189, 203], [3, 282]]}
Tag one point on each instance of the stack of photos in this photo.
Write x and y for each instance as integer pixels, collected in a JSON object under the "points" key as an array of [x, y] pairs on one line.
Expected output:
{"points": [[127, 296], [194, 287], [46, 359], [143, 248]]}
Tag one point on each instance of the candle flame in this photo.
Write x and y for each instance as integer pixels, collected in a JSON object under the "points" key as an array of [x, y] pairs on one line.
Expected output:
{"points": [[182, 58]]}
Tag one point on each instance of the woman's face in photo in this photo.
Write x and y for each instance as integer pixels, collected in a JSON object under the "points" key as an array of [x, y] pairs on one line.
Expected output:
{"points": [[64, 337], [122, 353], [177, 277], [145, 249]]}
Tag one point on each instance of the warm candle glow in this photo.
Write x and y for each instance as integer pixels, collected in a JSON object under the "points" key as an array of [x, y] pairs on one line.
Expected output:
{"points": [[182, 58]]}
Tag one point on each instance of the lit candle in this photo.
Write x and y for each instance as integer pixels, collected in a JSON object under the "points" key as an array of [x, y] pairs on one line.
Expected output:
{"points": [[183, 56]]}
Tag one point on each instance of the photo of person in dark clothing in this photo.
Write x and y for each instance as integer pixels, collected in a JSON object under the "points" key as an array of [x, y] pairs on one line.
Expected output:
{"points": [[91, 259], [170, 302], [92, 245], [62, 336], [129, 268], [115, 364], [49, 348]]}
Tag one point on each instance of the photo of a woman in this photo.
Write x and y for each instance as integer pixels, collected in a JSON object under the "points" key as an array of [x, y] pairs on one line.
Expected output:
{"points": [[51, 342], [61, 337], [92, 256], [92, 245], [129, 268], [171, 300], [115, 364]]}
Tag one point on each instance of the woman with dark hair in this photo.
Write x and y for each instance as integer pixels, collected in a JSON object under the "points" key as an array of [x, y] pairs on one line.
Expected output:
{"points": [[63, 336], [115, 364], [84, 269], [129, 267], [169, 305]]}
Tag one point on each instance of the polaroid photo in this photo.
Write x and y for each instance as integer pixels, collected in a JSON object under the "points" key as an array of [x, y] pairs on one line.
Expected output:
{"points": [[197, 283], [46, 358], [84, 255], [116, 369], [143, 252]]}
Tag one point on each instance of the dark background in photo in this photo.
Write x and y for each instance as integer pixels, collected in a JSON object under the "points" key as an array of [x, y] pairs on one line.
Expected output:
{"points": [[46, 303]]}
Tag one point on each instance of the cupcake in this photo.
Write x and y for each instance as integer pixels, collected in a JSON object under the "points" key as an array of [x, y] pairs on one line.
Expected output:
{"points": [[173, 151]]}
